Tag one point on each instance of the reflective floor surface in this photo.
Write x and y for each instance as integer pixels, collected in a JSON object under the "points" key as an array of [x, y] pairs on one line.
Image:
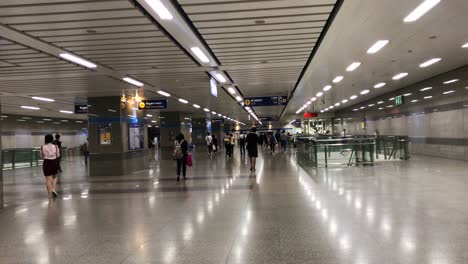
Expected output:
{"points": [[394, 212]]}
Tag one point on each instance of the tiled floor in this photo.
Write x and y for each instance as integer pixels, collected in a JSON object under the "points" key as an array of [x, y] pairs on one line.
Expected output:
{"points": [[394, 212]]}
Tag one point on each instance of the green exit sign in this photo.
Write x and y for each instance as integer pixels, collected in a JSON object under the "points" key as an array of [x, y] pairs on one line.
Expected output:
{"points": [[399, 100]]}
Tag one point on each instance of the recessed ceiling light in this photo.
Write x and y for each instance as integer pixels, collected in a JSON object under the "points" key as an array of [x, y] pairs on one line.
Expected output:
{"points": [[448, 92], [391, 99], [160, 9], [426, 89], [331, 107], [380, 102], [381, 108], [78, 60], [199, 53], [40, 122], [400, 75], [377, 46], [422, 9], [133, 81], [365, 92], [21, 120], [407, 94], [327, 88], [344, 101], [451, 81], [206, 109], [429, 62], [79, 121], [148, 115], [319, 94], [239, 99], [183, 101], [353, 97], [308, 103], [388, 106], [220, 77], [47, 119], [196, 106], [379, 85], [163, 93], [231, 90], [427, 97], [465, 45], [337, 79], [355, 109], [26, 117], [66, 112], [353, 66], [64, 121], [337, 104], [362, 107], [43, 99], [371, 105], [414, 101], [313, 99], [30, 107]]}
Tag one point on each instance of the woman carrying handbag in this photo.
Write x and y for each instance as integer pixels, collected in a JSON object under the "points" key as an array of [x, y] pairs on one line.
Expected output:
{"points": [[180, 155]]}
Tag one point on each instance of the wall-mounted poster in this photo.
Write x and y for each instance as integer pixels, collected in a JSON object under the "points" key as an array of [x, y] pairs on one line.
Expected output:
{"points": [[136, 138], [105, 132]]}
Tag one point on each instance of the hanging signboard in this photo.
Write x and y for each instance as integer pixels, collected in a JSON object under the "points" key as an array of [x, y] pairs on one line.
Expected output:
{"points": [[152, 104], [81, 108], [266, 101]]}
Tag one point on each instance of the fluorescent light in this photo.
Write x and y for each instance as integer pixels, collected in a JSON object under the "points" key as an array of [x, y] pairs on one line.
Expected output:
{"points": [[377, 46], [465, 45], [448, 92], [425, 89], [337, 104], [183, 101], [160, 9], [422, 9], [319, 94], [400, 75], [79, 121], [78, 60], [247, 108], [344, 101], [353, 66], [451, 81], [427, 97], [231, 90], [313, 99], [163, 93], [371, 105], [148, 115], [21, 120], [196, 106], [206, 109], [429, 62], [380, 102], [355, 109], [327, 88], [213, 112], [239, 99], [64, 121], [133, 81], [381, 108], [414, 101], [331, 107], [154, 121], [338, 79], [199, 53], [43, 99], [362, 107], [220, 115], [365, 92], [66, 112], [407, 94], [391, 99], [30, 107], [308, 103], [379, 85], [353, 97], [220, 77], [389, 106], [47, 119]]}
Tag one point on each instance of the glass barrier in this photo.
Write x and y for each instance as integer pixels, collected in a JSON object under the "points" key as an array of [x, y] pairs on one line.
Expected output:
{"points": [[30, 157]]}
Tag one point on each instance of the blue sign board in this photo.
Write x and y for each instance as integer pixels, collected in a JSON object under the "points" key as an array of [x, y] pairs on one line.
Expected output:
{"points": [[217, 120], [266, 101], [81, 108], [152, 104]]}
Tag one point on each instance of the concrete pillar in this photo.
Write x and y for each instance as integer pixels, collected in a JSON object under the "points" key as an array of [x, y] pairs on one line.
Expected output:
{"points": [[1, 168], [171, 124], [118, 137]]}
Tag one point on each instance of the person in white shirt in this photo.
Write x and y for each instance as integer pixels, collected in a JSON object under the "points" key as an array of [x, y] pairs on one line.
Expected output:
{"points": [[343, 133], [209, 144], [50, 155]]}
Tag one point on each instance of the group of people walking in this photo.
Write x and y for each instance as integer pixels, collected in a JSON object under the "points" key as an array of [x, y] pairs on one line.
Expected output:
{"points": [[274, 141]]}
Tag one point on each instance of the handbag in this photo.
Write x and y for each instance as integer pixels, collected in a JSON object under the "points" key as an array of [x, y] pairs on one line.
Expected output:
{"points": [[178, 153], [189, 160]]}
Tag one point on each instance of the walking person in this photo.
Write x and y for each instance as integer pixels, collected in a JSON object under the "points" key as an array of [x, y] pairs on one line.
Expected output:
{"points": [[232, 138], [58, 143], [180, 155], [252, 148], [215, 144], [260, 140], [85, 151], [242, 138], [273, 142], [209, 144], [50, 154], [227, 141], [284, 140], [265, 140]]}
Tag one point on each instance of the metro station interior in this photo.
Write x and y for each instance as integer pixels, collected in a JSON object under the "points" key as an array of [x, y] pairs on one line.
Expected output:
{"points": [[357, 110]]}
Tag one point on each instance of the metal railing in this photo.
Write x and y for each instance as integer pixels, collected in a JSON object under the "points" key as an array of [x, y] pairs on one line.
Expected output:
{"points": [[30, 157]]}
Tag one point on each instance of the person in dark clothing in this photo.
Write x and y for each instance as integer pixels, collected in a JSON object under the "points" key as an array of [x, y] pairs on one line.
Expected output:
{"points": [[278, 136], [265, 139], [181, 146], [252, 148], [242, 138], [273, 143], [260, 140], [58, 143]]}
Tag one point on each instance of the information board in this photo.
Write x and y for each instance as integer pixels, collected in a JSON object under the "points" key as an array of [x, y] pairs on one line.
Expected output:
{"points": [[266, 101], [136, 138], [152, 104], [81, 108], [105, 134]]}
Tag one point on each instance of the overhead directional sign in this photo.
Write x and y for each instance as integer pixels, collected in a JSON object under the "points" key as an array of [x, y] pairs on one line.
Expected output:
{"points": [[268, 119], [152, 104], [81, 108], [266, 101]]}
